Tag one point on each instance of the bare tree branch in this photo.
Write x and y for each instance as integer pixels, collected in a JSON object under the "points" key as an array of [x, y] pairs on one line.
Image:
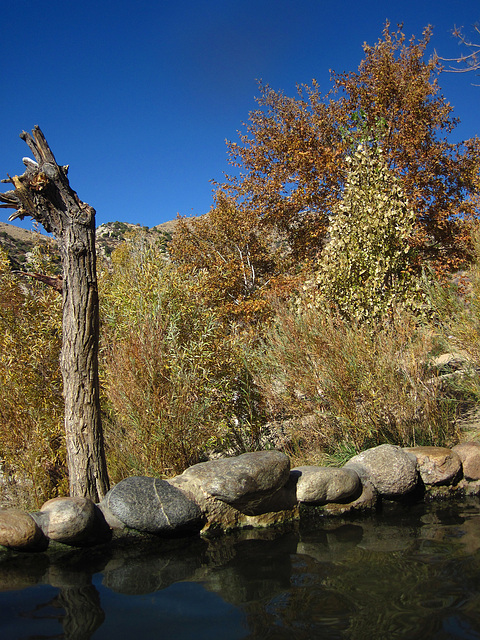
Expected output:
{"points": [[469, 61]]}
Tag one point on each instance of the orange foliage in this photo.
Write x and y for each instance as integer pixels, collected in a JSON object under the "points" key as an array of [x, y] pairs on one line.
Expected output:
{"points": [[235, 263], [271, 220]]}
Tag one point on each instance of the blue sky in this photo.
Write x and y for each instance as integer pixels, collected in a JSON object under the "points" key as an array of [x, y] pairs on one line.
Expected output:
{"points": [[139, 97]]}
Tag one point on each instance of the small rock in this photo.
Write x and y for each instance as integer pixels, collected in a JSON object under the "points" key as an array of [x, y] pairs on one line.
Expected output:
{"points": [[239, 481], [392, 470], [467, 487], [447, 362], [153, 506], [437, 465], [18, 530], [469, 453], [325, 484]]}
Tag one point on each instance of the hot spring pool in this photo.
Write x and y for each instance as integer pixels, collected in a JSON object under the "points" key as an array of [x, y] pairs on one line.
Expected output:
{"points": [[409, 572]]}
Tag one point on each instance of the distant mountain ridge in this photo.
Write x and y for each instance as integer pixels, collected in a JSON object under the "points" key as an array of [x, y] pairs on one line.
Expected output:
{"points": [[20, 242]]}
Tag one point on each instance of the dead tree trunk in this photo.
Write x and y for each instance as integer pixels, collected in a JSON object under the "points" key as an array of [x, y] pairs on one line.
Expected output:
{"points": [[44, 193]]}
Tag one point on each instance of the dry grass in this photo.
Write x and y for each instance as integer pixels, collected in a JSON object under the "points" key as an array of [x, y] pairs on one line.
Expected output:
{"points": [[359, 386]]}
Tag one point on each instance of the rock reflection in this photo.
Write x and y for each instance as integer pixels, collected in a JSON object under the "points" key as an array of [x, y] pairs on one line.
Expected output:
{"points": [[253, 567], [22, 571], [151, 570], [76, 607]]}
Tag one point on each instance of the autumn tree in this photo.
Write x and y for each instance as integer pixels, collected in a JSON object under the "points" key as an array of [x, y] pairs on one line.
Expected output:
{"points": [[231, 260], [396, 84], [43, 192], [289, 170]]}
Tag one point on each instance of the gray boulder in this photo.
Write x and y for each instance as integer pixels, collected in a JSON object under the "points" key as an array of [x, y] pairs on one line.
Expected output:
{"points": [[469, 454], [152, 505], [244, 480], [18, 530], [392, 471], [437, 465], [319, 485]]}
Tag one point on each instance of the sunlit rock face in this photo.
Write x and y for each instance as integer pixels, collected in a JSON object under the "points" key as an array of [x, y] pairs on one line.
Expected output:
{"points": [[320, 485], [469, 453], [436, 465], [18, 530]]}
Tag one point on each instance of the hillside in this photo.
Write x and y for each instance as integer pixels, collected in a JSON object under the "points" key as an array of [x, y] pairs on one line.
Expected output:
{"points": [[20, 242]]}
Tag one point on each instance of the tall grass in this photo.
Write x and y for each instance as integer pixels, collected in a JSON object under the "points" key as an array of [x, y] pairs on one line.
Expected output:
{"points": [[359, 385], [456, 306]]}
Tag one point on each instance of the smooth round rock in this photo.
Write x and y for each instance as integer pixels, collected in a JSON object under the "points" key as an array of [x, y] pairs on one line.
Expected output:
{"points": [[18, 530], [153, 506], [320, 485], [469, 454], [392, 470], [239, 480], [436, 465], [67, 520]]}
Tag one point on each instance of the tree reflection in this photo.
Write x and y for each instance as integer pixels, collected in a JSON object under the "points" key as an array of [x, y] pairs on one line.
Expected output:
{"points": [[77, 609]]}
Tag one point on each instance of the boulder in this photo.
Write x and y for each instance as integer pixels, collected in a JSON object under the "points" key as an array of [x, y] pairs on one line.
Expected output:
{"points": [[152, 505], [320, 485], [243, 481], [469, 454], [18, 530], [392, 471], [436, 465], [73, 521], [366, 501], [250, 490]]}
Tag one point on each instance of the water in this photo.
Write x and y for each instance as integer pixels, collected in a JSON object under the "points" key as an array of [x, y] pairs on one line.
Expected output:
{"points": [[406, 573]]}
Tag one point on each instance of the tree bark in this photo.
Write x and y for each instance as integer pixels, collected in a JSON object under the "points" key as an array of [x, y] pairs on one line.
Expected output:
{"points": [[44, 193]]}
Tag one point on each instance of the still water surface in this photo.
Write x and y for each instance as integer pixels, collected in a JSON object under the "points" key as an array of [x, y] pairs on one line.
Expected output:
{"points": [[408, 573]]}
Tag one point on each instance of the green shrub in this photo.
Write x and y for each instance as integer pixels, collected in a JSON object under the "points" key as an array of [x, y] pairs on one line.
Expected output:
{"points": [[366, 269]]}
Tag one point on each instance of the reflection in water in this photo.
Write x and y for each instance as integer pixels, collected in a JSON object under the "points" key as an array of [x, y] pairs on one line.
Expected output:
{"points": [[83, 613], [77, 609], [408, 573]]}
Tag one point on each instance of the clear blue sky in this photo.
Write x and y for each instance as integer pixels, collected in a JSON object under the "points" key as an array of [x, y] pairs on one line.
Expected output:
{"points": [[139, 97]]}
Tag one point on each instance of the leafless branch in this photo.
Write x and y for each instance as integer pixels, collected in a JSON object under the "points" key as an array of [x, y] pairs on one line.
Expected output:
{"points": [[466, 62]]}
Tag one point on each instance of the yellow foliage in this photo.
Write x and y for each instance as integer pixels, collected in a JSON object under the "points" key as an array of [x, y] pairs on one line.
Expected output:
{"points": [[367, 269], [32, 448], [168, 365]]}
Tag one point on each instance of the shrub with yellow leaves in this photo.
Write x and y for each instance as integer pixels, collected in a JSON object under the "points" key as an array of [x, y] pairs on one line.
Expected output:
{"points": [[32, 447], [168, 365], [368, 266]]}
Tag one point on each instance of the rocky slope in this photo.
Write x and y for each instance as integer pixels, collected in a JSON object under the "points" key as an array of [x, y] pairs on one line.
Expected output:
{"points": [[20, 242]]}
